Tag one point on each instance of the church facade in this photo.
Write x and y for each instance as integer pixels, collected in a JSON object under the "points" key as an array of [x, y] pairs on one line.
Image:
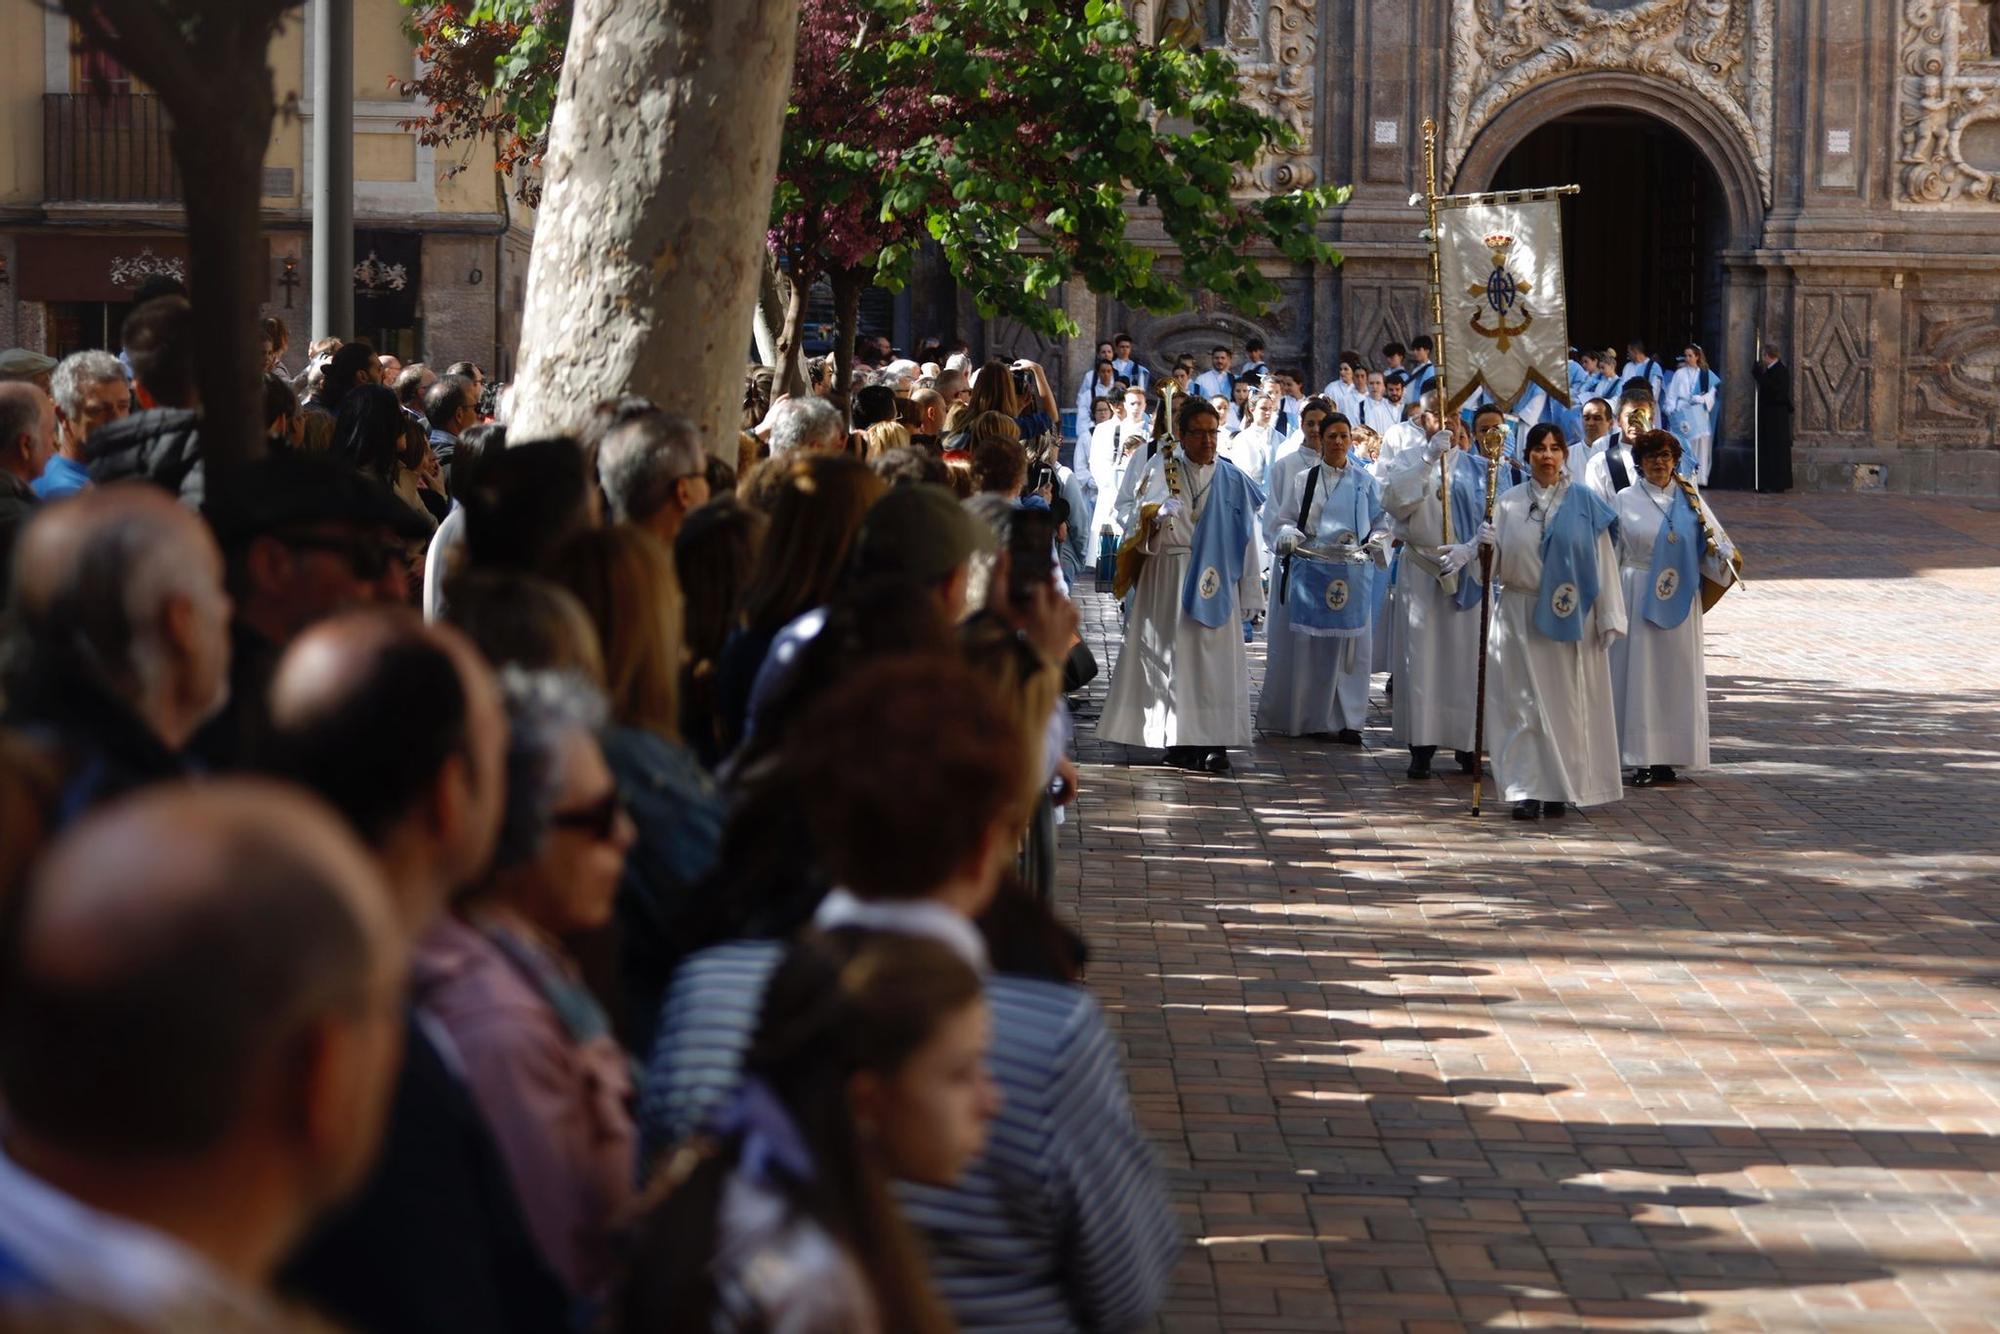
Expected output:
{"points": [[1820, 175]]}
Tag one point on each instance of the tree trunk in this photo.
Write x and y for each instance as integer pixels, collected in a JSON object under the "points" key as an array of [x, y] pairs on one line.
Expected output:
{"points": [[661, 160], [222, 165], [791, 377], [847, 285]]}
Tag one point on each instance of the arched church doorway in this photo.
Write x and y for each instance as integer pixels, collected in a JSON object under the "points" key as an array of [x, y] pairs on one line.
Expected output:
{"points": [[1643, 240]]}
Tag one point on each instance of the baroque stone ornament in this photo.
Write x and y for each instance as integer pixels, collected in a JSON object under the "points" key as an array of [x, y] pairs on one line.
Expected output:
{"points": [[1273, 43], [1949, 80], [1717, 51]]}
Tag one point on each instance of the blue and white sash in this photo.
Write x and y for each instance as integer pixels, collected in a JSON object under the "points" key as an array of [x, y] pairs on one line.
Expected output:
{"points": [[1569, 564], [1676, 570], [1335, 598], [1221, 541]]}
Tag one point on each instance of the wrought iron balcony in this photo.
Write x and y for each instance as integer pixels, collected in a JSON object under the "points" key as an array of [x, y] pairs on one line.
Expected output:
{"points": [[109, 149]]}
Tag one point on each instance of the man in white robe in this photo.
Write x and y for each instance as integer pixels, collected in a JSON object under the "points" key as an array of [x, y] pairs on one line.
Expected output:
{"points": [[1611, 469], [1640, 365], [1102, 382], [1434, 607], [1216, 381], [1179, 682], [1658, 675], [1551, 721], [1108, 457], [1378, 413], [1128, 367]]}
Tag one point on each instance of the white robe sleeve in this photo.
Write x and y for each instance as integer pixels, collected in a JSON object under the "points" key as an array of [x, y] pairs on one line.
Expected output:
{"points": [[1607, 614]]}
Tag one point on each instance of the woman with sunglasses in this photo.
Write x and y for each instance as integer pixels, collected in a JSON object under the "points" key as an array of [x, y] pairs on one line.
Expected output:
{"points": [[537, 1051]]}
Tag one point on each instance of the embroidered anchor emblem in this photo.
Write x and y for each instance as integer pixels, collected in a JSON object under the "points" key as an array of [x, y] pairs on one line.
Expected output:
{"points": [[1666, 585], [1503, 293], [1211, 582], [1336, 595], [1563, 601]]}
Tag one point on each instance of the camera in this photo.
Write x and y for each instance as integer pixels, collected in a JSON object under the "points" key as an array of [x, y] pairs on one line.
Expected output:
{"points": [[1024, 382]]}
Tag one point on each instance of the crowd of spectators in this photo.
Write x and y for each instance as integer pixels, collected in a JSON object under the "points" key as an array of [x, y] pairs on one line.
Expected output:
{"points": [[453, 882]]}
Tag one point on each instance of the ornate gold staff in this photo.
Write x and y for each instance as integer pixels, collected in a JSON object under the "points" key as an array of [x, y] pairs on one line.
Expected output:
{"points": [[1491, 444], [1437, 317]]}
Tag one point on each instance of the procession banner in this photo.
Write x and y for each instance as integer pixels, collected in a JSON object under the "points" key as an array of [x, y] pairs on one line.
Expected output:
{"points": [[1506, 314]]}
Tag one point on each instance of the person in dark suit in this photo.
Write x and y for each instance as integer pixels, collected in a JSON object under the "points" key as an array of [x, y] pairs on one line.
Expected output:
{"points": [[1774, 421]]}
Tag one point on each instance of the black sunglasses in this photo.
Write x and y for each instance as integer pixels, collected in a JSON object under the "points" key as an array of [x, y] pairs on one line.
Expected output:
{"points": [[599, 819]]}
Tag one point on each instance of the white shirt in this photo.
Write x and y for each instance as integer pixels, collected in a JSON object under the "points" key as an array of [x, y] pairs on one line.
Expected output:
{"points": [[1214, 383]]}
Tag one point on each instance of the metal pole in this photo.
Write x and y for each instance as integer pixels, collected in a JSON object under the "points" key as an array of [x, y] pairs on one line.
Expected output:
{"points": [[333, 169]]}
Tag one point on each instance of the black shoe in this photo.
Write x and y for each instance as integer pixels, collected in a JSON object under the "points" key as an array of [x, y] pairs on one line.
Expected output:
{"points": [[1420, 761], [1216, 762], [1664, 773], [1554, 809], [1182, 757], [1640, 777], [1528, 810], [1347, 736], [1468, 761], [1389, 689]]}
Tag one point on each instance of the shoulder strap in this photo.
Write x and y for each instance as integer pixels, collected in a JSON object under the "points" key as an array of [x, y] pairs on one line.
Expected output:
{"points": [[1305, 505], [1620, 477]]}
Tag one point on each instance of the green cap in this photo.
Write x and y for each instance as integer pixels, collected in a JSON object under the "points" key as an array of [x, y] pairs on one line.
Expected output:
{"points": [[920, 530]]}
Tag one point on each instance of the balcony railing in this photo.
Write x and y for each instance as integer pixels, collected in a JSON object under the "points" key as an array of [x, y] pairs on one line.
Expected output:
{"points": [[110, 149]]}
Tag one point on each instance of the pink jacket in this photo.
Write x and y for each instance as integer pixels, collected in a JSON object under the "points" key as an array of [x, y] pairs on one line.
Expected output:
{"points": [[560, 1109]]}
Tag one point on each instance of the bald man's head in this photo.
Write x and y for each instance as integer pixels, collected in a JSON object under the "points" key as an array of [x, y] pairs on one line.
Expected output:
{"points": [[27, 429], [399, 725], [123, 585], [176, 967]]}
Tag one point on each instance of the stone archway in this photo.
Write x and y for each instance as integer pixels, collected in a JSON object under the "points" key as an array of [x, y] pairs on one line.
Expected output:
{"points": [[1728, 325], [1713, 138]]}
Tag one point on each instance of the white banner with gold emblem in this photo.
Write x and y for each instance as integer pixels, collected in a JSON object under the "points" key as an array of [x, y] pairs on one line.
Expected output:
{"points": [[1506, 314]]}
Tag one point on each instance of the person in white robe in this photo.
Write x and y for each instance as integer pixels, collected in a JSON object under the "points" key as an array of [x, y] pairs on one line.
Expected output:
{"points": [[1690, 408], [1102, 382], [1250, 448], [1611, 469], [1182, 679], [1422, 371], [1404, 441], [1293, 457], [1551, 720], [1216, 381], [1435, 605], [1595, 417], [1111, 447], [1658, 676], [1343, 392], [1317, 667], [1640, 365], [1377, 412]]}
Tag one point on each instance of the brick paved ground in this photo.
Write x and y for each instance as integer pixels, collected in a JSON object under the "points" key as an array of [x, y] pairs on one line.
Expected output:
{"points": [[1724, 1056]]}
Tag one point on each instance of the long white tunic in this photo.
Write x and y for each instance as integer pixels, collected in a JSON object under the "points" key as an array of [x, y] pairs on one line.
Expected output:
{"points": [[1378, 415], [1107, 468], [1597, 472], [1316, 683], [1435, 645], [1550, 718], [1177, 682], [1659, 676], [1250, 450]]}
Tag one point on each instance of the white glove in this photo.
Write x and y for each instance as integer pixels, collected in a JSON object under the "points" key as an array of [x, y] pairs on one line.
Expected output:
{"points": [[1288, 539], [1435, 447], [1457, 556], [1170, 507], [1487, 537], [1607, 637]]}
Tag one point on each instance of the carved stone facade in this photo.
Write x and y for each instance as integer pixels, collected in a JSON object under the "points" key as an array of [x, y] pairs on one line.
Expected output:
{"points": [[1950, 112], [1719, 51], [1854, 147]]}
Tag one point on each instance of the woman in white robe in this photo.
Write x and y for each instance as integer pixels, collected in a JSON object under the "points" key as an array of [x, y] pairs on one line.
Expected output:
{"points": [[1250, 448], [1658, 675], [1690, 409], [1316, 684], [1178, 683], [1436, 604], [1550, 717]]}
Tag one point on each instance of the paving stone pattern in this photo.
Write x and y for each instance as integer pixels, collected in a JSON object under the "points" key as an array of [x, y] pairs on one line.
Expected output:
{"points": [[1724, 1056]]}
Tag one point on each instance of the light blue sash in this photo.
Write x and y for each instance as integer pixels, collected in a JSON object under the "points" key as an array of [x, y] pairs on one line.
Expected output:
{"points": [[1676, 568], [1221, 541], [1569, 564]]}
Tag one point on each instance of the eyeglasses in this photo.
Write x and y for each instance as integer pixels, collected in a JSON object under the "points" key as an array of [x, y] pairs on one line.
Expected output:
{"points": [[599, 819], [370, 560], [1200, 433]]}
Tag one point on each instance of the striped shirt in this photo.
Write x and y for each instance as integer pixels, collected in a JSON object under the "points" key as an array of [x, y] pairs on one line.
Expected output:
{"points": [[1061, 1224]]}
